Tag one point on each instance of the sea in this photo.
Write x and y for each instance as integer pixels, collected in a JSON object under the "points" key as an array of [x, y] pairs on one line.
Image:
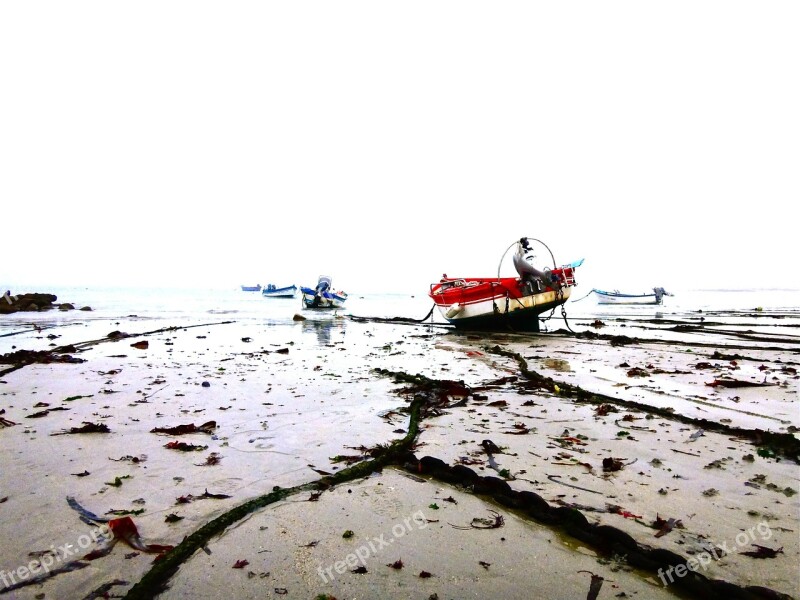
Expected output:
{"points": [[164, 307]]}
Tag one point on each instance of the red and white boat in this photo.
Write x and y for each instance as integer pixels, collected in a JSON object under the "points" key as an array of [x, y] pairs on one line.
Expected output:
{"points": [[505, 303]]}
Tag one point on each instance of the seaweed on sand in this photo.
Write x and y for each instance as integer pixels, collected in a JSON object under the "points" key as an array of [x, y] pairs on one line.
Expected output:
{"points": [[785, 443]]}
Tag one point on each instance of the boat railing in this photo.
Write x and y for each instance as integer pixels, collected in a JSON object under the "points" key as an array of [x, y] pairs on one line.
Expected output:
{"points": [[565, 274], [443, 286]]}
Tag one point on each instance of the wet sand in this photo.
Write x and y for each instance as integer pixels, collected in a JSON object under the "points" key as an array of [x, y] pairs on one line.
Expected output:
{"points": [[292, 404]]}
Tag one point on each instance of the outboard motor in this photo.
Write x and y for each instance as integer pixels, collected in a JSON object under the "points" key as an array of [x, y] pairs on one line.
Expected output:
{"points": [[323, 285], [534, 279]]}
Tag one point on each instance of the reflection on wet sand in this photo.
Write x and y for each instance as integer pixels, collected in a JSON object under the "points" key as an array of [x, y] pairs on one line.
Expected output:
{"points": [[323, 327]]}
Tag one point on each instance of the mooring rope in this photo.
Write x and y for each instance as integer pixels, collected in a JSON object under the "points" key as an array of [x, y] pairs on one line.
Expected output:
{"points": [[395, 319], [586, 296]]}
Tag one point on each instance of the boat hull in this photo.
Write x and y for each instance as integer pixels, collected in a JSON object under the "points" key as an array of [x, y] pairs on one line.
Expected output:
{"points": [[497, 305], [505, 303], [323, 296], [615, 300], [286, 292], [326, 301], [628, 299]]}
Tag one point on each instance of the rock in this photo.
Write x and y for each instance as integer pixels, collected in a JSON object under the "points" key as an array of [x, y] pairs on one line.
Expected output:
{"points": [[86, 308], [27, 357], [66, 306], [26, 302]]}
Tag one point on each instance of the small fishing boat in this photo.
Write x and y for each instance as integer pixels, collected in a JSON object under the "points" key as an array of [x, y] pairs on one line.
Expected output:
{"points": [[505, 303], [271, 291], [322, 296], [616, 297], [251, 288]]}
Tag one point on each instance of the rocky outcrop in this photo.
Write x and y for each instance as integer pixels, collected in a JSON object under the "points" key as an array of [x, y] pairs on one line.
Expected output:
{"points": [[33, 303], [26, 302]]}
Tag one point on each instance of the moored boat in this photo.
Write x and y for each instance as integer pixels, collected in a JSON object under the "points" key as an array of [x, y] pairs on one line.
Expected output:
{"points": [[251, 288], [271, 291], [617, 297], [323, 296], [505, 303]]}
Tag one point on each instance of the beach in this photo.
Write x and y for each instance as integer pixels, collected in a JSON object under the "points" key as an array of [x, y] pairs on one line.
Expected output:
{"points": [[645, 452]]}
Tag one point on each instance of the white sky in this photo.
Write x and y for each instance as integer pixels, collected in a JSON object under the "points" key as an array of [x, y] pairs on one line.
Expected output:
{"points": [[384, 143]]}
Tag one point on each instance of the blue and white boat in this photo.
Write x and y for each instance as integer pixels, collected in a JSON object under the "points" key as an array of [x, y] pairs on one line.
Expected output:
{"points": [[251, 288], [617, 297], [271, 291], [323, 296]]}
